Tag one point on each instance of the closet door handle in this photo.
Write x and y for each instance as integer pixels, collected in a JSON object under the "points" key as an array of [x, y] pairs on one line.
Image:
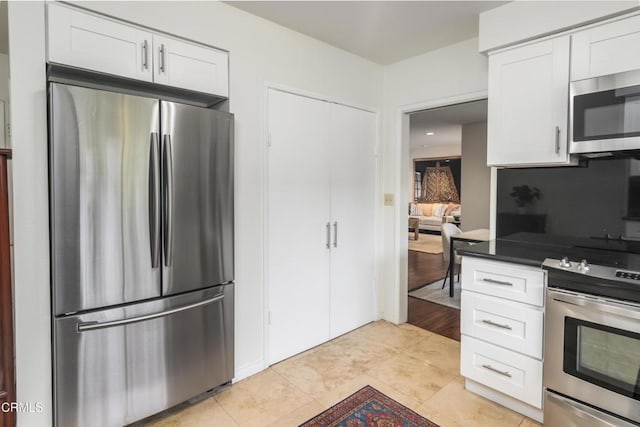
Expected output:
{"points": [[328, 235], [335, 234]]}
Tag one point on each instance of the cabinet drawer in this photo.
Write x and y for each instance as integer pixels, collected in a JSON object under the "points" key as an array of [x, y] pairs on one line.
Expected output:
{"points": [[515, 282], [506, 371], [509, 324], [88, 41]]}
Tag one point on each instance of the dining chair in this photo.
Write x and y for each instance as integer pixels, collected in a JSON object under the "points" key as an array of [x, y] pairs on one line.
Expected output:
{"points": [[448, 230]]}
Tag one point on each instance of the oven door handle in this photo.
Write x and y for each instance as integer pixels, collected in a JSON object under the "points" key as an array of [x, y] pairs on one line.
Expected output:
{"points": [[629, 310]]}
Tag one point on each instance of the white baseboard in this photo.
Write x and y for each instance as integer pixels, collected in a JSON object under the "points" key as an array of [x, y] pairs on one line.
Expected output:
{"points": [[504, 400], [246, 371]]}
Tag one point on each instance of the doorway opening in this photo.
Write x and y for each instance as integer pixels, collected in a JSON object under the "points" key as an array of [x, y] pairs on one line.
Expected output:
{"points": [[449, 192]]}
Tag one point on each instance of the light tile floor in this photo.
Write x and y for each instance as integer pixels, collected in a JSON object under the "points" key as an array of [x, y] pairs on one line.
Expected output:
{"points": [[411, 365]]}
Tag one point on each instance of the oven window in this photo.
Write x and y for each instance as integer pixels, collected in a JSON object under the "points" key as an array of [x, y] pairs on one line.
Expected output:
{"points": [[607, 114], [602, 355]]}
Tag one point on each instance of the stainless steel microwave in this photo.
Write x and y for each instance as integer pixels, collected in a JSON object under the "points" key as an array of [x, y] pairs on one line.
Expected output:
{"points": [[605, 113]]}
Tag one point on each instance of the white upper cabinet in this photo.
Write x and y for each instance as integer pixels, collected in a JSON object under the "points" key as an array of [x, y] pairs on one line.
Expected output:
{"points": [[528, 105], [85, 40], [190, 66], [98, 44], [607, 49]]}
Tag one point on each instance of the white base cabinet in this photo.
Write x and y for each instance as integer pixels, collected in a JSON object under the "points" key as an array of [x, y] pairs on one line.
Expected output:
{"points": [[321, 217], [502, 325], [86, 40]]}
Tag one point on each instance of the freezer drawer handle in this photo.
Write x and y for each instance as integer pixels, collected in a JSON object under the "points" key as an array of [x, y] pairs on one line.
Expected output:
{"points": [[90, 326]]}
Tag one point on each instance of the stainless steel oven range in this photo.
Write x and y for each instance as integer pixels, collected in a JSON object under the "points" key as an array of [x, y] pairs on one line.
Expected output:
{"points": [[592, 345]]}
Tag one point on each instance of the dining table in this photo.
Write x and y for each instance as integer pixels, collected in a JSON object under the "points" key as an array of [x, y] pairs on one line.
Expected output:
{"points": [[471, 236]]}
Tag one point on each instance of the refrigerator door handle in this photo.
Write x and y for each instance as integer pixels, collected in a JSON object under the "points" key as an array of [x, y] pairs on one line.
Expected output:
{"points": [[167, 165], [90, 326], [154, 201]]}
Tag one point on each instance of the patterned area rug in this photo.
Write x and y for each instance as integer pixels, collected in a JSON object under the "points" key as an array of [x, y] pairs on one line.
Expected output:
{"points": [[368, 407], [429, 243]]}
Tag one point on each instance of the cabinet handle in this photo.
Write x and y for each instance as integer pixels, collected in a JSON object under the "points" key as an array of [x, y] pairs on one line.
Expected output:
{"points": [[161, 66], [497, 371], [557, 139], [328, 235], [497, 282], [335, 234], [489, 322], [145, 55]]}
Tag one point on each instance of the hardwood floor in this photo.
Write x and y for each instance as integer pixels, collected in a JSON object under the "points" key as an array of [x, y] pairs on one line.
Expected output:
{"points": [[424, 269], [434, 317]]}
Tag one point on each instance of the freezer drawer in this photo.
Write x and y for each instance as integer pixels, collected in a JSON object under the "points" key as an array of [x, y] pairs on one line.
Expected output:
{"points": [[116, 366]]}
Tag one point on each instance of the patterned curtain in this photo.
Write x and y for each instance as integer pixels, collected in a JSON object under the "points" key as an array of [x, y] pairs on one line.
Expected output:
{"points": [[438, 185]]}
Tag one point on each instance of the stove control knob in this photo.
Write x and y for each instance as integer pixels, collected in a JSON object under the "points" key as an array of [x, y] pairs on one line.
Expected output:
{"points": [[565, 263], [583, 266]]}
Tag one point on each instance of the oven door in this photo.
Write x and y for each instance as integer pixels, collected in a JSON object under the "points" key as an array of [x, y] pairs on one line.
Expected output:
{"points": [[592, 352], [605, 113]]}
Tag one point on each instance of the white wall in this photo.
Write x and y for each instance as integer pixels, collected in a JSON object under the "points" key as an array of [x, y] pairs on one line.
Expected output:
{"points": [[260, 52], [476, 177], [523, 20], [30, 226], [445, 76]]}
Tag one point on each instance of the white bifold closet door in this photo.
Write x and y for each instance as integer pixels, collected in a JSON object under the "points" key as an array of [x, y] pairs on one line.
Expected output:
{"points": [[321, 221], [352, 139]]}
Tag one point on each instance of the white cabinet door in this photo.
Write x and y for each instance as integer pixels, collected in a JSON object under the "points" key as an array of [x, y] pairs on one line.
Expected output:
{"points": [[190, 66], [299, 197], [99, 44], [528, 104], [608, 49], [352, 162]]}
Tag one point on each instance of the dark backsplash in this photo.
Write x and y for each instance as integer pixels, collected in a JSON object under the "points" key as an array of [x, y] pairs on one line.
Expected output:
{"points": [[599, 198]]}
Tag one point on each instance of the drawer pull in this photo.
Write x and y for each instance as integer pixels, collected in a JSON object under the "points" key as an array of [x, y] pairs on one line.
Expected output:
{"points": [[489, 322], [497, 371], [497, 282]]}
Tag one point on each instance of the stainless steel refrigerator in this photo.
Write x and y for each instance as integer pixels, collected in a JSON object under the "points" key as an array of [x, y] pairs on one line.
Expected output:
{"points": [[142, 253]]}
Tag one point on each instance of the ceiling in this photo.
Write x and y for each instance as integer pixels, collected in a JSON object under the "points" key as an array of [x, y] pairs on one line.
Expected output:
{"points": [[381, 31], [445, 122]]}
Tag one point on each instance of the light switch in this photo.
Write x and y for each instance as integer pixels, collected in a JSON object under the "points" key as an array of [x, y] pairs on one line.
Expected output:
{"points": [[388, 199]]}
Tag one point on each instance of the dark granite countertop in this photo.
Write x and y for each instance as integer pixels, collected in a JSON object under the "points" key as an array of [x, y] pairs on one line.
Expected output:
{"points": [[532, 249]]}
